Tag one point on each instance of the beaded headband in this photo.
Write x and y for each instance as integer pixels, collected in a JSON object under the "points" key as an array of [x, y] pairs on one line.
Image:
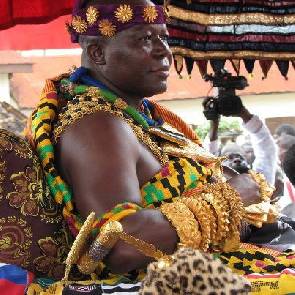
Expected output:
{"points": [[107, 20]]}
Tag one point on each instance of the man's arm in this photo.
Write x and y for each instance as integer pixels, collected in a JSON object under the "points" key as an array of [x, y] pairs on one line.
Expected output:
{"points": [[212, 145], [213, 136], [99, 159], [264, 146]]}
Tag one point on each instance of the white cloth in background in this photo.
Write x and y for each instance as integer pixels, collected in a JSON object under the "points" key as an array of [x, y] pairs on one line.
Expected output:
{"points": [[265, 149]]}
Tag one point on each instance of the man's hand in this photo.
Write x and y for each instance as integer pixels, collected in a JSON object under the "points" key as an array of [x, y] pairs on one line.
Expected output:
{"points": [[234, 108], [246, 187], [210, 106]]}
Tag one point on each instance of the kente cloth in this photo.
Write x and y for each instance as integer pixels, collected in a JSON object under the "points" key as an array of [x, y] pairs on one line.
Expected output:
{"points": [[30, 213]]}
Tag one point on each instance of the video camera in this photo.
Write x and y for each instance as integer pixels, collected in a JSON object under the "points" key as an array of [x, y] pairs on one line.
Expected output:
{"points": [[226, 103]]}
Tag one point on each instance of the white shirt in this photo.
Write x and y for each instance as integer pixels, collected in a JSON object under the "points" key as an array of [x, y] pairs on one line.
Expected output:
{"points": [[265, 149]]}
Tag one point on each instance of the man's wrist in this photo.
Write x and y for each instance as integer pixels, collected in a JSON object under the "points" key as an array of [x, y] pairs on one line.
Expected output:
{"points": [[245, 115]]}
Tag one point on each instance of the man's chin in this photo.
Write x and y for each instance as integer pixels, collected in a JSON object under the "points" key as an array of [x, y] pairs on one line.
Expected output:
{"points": [[241, 169], [157, 89]]}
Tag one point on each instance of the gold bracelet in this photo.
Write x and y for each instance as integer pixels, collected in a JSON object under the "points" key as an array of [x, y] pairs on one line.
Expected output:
{"points": [[184, 222], [266, 190], [201, 211], [221, 211], [101, 246], [228, 208], [236, 207], [79, 244]]}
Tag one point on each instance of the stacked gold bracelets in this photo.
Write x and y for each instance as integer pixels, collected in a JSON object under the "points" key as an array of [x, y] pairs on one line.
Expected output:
{"points": [[208, 220]]}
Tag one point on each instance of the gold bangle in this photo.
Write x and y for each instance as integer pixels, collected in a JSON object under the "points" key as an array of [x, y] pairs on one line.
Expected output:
{"points": [[236, 207], [201, 211], [184, 222], [266, 190], [221, 211], [228, 208]]}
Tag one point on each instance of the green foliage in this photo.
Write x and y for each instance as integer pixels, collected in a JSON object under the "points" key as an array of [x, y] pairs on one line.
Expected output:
{"points": [[225, 127]]}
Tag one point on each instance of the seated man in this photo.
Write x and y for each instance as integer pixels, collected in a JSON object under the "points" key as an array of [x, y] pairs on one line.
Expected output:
{"points": [[104, 149]]}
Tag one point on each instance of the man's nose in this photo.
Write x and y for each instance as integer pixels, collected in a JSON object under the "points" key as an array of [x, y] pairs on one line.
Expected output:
{"points": [[237, 161], [161, 48]]}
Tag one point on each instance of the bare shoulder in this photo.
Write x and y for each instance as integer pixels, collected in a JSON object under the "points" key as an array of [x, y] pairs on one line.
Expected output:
{"points": [[97, 135], [97, 156]]}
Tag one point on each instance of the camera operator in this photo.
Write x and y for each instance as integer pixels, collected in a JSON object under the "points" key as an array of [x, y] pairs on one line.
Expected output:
{"points": [[278, 235], [228, 104]]}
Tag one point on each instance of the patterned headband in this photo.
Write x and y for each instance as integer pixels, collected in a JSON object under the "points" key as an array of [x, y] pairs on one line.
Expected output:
{"points": [[107, 20]]}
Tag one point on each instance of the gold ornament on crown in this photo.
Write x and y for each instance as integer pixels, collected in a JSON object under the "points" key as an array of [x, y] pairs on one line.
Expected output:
{"points": [[79, 25], [106, 28], [92, 15], [150, 14], [124, 13]]}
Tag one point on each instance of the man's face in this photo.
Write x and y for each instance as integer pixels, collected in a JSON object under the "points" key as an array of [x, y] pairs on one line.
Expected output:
{"points": [[237, 162], [138, 60], [284, 142], [249, 153]]}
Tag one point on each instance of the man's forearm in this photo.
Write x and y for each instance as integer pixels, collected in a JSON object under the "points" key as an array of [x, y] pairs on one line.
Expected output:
{"points": [[150, 226], [213, 133]]}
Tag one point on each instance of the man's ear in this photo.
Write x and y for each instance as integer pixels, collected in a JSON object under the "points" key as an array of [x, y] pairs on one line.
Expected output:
{"points": [[96, 53]]}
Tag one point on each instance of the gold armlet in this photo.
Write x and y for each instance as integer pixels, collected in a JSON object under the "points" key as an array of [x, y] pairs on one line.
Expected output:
{"points": [[184, 222]]}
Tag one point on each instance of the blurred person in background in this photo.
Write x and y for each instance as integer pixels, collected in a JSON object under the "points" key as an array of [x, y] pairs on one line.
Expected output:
{"points": [[285, 142], [261, 155]]}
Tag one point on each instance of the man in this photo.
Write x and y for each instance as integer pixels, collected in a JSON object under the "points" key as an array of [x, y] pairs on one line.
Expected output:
{"points": [[99, 151], [263, 144], [235, 157], [133, 64], [284, 129]]}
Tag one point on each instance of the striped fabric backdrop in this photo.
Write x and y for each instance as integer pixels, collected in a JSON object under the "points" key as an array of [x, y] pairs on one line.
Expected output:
{"points": [[236, 30]]}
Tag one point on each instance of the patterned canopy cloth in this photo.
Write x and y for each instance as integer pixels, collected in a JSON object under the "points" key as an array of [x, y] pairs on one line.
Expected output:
{"points": [[246, 30]]}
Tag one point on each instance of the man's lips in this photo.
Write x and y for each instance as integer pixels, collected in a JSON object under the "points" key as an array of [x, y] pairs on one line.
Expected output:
{"points": [[163, 71]]}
